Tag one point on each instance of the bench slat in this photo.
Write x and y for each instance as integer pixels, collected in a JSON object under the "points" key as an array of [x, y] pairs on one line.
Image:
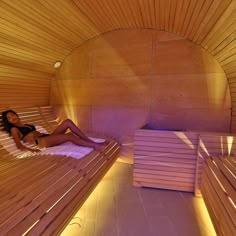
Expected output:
{"points": [[76, 183], [76, 202], [221, 163], [218, 214], [219, 194]]}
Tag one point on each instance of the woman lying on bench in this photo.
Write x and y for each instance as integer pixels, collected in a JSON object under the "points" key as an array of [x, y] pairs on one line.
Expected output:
{"points": [[28, 133]]}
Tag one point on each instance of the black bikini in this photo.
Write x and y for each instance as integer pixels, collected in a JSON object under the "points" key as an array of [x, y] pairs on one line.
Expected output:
{"points": [[41, 135], [24, 130]]}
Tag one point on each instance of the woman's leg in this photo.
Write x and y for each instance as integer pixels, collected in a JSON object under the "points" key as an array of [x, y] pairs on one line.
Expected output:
{"points": [[57, 139], [69, 124]]}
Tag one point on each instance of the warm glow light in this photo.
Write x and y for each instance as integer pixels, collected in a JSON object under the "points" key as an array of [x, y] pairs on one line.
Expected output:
{"points": [[217, 179], [202, 145], [88, 215], [230, 172], [200, 155], [80, 220], [232, 203], [203, 216], [185, 139], [222, 145], [57, 64], [230, 140], [67, 100]]}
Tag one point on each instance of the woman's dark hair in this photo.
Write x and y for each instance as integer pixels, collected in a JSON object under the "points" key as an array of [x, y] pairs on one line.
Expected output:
{"points": [[6, 125]]}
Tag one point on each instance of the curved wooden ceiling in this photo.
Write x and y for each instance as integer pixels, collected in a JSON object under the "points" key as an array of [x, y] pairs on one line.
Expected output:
{"points": [[36, 33]]}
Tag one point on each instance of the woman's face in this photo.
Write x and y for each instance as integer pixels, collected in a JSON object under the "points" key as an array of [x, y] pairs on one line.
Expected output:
{"points": [[12, 118]]}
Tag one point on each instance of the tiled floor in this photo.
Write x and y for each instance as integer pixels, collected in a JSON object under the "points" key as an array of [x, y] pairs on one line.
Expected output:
{"points": [[116, 208]]}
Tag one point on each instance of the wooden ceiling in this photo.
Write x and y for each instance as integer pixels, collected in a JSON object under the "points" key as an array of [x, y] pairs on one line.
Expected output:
{"points": [[36, 33]]}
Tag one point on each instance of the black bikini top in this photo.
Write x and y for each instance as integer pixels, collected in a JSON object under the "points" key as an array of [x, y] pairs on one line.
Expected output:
{"points": [[26, 129]]}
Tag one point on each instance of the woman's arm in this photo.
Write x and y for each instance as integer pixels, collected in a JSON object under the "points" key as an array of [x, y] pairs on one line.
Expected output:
{"points": [[16, 136]]}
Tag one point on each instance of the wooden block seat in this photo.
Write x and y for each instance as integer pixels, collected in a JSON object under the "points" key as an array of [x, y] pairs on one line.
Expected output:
{"points": [[173, 159], [218, 187], [165, 159], [40, 194]]}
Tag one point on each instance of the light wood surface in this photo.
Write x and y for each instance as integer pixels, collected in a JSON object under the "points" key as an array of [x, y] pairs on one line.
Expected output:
{"points": [[125, 79], [218, 191], [40, 194], [165, 159], [174, 159]]}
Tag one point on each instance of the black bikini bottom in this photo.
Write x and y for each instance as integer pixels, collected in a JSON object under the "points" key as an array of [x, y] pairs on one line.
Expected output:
{"points": [[41, 135]]}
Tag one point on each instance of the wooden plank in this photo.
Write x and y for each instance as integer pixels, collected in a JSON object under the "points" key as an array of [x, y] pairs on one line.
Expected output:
{"points": [[21, 204], [29, 193], [214, 206], [170, 172], [226, 172], [17, 219], [72, 189], [158, 139], [74, 204], [164, 154], [176, 165], [165, 159], [162, 185], [215, 11], [162, 166], [166, 134], [163, 149], [230, 191], [219, 205], [171, 177], [232, 162]]}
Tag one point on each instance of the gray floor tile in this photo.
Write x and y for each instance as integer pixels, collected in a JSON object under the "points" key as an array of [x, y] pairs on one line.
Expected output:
{"points": [[117, 208]]}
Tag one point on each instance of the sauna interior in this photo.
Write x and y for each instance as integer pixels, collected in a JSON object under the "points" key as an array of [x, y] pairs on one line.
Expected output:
{"points": [[116, 66]]}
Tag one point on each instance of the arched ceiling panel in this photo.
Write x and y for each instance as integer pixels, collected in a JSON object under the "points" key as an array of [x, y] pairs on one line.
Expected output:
{"points": [[38, 33], [44, 31]]}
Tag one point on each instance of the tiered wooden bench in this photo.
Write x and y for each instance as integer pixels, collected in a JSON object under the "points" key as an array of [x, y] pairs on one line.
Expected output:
{"points": [[218, 187], [39, 195]]}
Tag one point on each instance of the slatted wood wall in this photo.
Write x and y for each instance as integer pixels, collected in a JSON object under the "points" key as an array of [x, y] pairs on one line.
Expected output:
{"points": [[23, 87], [165, 159], [39, 116]]}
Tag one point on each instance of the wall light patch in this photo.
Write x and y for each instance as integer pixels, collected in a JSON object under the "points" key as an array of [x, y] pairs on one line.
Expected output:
{"points": [[57, 64]]}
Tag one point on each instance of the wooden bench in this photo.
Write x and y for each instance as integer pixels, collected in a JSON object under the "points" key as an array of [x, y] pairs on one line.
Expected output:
{"points": [[174, 159], [165, 159], [40, 194], [218, 187]]}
